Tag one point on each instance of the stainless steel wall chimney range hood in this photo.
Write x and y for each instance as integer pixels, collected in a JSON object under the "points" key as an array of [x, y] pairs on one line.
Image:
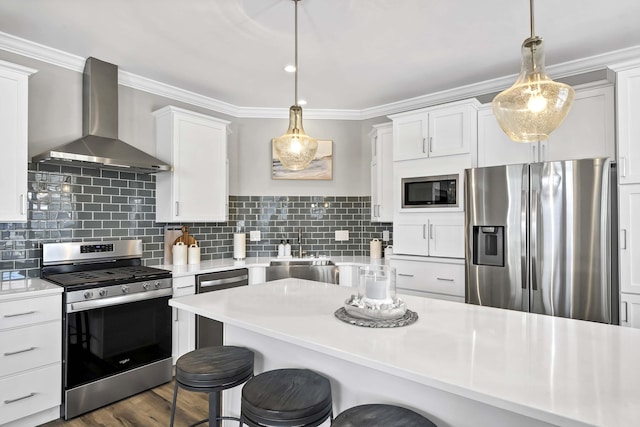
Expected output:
{"points": [[100, 145]]}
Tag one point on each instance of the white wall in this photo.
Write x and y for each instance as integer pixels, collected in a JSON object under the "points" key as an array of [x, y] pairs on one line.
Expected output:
{"points": [[55, 117]]}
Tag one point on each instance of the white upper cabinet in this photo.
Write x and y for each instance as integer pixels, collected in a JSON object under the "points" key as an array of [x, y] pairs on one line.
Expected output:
{"points": [[382, 173], [588, 131], [196, 146], [436, 131], [495, 147], [14, 97], [628, 99]]}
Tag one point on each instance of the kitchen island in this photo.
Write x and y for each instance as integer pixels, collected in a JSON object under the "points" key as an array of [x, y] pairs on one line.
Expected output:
{"points": [[460, 365]]}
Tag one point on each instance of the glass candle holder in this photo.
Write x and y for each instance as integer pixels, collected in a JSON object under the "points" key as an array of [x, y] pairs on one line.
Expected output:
{"points": [[377, 284]]}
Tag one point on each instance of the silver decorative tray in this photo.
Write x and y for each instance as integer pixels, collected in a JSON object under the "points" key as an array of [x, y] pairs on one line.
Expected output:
{"points": [[408, 318], [365, 308]]}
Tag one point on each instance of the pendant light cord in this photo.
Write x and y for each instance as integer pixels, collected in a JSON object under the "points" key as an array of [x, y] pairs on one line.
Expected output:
{"points": [[531, 17], [296, 53]]}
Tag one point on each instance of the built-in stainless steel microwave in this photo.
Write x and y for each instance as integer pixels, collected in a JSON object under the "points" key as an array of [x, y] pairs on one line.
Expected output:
{"points": [[430, 191]]}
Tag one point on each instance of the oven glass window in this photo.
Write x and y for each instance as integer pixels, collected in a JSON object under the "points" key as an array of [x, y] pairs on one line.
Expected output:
{"points": [[441, 192], [105, 341]]}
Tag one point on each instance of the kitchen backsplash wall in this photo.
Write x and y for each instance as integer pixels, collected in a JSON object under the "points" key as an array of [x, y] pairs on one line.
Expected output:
{"points": [[86, 204]]}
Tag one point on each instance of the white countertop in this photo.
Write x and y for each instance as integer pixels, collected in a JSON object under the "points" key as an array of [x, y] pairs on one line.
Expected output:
{"points": [[27, 288], [562, 371], [229, 264]]}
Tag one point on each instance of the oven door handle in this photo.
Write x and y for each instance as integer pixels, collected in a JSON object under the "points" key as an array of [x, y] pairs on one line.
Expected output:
{"points": [[121, 299]]}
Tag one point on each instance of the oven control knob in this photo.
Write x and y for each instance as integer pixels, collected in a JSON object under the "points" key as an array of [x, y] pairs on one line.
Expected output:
{"points": [[102, 292], [156, 284], [88, 294], [145, 286], [125, 289]]}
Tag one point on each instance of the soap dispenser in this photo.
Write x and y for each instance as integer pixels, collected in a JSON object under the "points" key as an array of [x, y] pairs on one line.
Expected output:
{"points": [[281, 248], [287, 249]]}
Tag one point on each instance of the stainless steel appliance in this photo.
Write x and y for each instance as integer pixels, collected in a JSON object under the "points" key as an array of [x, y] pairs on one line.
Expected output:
{"points": [[209, 332], [542, 238], [116, 321], [430, 191], [99, 145]]}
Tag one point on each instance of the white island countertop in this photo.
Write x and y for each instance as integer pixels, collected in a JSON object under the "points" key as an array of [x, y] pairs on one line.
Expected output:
{"points": [[560, 371]]}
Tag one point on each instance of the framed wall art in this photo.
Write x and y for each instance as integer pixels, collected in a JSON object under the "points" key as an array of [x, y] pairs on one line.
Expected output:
{"points": [[320, 168]]}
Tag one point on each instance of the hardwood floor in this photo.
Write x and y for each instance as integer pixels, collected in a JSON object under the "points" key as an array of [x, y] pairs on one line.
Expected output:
{"points": [[151, 408]]}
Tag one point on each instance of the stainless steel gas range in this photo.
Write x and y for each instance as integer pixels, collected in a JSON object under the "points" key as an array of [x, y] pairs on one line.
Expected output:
{"points": [[116, 321]]}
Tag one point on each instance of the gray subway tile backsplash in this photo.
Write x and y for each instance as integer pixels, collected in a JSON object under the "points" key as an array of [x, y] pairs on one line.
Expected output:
{"points": [[68, 203]]}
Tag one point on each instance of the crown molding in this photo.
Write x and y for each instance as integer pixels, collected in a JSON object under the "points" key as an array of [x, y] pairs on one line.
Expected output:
{"points": [[616, 60]]}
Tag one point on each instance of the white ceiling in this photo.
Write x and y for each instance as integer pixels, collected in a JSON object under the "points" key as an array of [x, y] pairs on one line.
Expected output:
{"points": [[353, 54]]}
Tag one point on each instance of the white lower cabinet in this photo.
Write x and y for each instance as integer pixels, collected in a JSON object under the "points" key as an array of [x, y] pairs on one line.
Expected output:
{"points": [[435, 235], [257, 274], [435, 278], [30, 360], [184, 323], [629, 212], [349, 275], [630, 310]]}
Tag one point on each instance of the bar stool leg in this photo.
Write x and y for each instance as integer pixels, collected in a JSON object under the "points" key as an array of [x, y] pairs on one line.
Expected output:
{"points": [[173, 405], [214, 409]]}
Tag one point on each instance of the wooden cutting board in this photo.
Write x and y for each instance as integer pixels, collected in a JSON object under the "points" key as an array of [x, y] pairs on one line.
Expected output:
{"points": [[186, 238]]}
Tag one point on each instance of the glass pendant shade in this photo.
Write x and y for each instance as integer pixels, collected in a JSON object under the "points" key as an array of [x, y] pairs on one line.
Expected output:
{"points": [[535, 105], [295, 148]]}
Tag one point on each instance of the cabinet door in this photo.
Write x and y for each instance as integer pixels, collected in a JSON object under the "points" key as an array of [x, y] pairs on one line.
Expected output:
{"points": [[382, 175], [495, 147], [628, 111], [184, 323], [588, 131], [446, 235], [196, 146], [449, 131], [630, 310], [410, 137], [629, 238], [13, 134], [410, 239]]}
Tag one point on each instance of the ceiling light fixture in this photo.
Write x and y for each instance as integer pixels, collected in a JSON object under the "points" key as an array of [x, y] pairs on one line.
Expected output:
{"points": [[295, 148], [535, 105]]}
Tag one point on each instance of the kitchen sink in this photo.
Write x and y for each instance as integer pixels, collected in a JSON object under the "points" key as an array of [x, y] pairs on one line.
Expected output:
{"points": [[320, 270]]}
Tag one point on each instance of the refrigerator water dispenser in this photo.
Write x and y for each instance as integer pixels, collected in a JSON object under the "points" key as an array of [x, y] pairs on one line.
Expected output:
{"points": [[488, 245]]}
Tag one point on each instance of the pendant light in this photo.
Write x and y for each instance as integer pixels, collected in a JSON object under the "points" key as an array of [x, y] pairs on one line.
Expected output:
{"points": [[535, 105], [295, 148]]}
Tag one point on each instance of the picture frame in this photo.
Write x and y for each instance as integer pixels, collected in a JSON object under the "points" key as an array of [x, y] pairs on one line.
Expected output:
{"points": [[320, 168]]}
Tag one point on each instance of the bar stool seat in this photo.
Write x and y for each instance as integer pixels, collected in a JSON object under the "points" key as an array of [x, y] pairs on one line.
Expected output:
{"points": [[378, 415], [286, 397], [211, 370]]}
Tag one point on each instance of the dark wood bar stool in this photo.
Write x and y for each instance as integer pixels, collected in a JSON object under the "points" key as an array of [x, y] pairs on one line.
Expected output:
{"points": [[211, 370], [377, 415], [286, 397]]}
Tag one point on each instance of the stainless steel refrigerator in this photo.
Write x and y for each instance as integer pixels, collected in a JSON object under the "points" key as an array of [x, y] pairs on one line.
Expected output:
{"points": [[542, 237]]}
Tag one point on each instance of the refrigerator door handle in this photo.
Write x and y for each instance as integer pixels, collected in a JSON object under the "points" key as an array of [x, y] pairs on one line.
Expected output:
{"points": [[523, 237], [623, 239], [623, 167], [624, 315], [533, 245]]}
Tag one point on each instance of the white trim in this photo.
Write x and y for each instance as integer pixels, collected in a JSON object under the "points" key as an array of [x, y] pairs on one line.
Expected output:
{"points": [[20, 69], [622, 59]]}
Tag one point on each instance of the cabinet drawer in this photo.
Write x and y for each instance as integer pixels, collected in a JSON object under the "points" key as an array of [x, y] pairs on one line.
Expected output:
{"points": [[436, 277], [28, 311], [29, 393], [30, 347]]}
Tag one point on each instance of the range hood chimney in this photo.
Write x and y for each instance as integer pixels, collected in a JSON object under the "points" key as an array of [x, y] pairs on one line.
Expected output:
{"points": [[100, 145]]}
